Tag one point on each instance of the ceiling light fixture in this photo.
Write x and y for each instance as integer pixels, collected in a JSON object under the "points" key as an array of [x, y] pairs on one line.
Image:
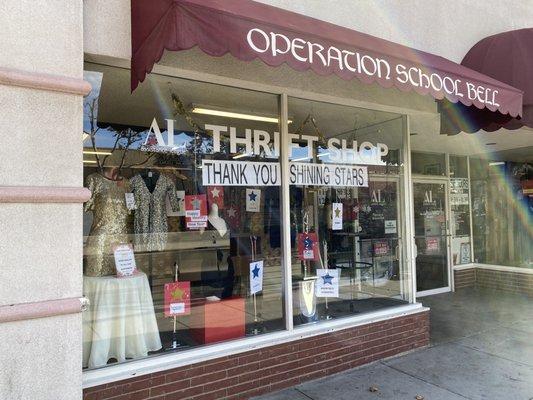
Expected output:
{"points": [[103, 153], [301, 159], [242, 155], [231, 114], [494, 163], [89, 161], [323, 155]]}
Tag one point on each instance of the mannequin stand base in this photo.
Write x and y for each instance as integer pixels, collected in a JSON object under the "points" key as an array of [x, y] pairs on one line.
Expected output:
{"points": [[175, 345], [256, 329]]}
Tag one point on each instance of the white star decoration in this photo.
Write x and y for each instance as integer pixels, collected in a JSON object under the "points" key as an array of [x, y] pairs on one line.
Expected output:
{"points": [[232, 212], [215, 192]]}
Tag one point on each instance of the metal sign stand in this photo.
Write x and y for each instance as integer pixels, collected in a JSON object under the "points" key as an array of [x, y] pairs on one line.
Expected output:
{"points": [[175, 344], [325, 244], [255, 330]]}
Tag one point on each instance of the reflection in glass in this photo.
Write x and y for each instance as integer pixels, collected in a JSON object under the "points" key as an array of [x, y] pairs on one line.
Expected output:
{"points": [[345, 230], [428, 164], [430, 235], [502, 211], [205, 258]]}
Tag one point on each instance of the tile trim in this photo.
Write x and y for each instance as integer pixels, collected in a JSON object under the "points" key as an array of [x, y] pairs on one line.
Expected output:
{"points": [[41, 81]]}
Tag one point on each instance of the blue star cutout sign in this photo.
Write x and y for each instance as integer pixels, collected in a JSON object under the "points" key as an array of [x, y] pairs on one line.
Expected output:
{"points": [[308, 243], [252, 196], [327, 279], [255, 271]]}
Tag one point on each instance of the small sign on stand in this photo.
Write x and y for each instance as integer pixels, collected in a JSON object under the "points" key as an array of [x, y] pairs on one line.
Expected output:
{"points": [[124, 260], [177, 302], [256, 281]]}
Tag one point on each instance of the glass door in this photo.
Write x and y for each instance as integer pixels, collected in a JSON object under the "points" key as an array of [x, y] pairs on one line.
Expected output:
{"points": [[431, 236]]}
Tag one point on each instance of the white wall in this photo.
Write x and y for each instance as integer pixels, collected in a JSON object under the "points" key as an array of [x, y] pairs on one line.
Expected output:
{"points": [[447, 28], [41, 245]]}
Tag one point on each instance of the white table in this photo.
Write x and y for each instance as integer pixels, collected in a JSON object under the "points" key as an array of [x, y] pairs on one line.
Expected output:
{"points": [[120, 322]]}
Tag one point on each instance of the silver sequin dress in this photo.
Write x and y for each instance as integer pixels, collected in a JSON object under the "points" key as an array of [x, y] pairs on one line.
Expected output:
{"points": [[150, 221]]}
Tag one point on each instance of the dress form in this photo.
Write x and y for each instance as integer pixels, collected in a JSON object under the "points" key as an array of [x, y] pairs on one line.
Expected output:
{"points": [[109, 226], [218, 223]]}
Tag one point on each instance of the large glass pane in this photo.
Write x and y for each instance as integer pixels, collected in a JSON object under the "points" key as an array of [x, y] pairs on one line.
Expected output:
{"points": [[460, 210], [428, 163], [458, 167], [502, 210], [346, 224], [182, 232], [430, 235]]}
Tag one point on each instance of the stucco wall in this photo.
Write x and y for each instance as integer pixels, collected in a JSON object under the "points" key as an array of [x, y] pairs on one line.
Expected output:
{"points": [[41, 246], [447, 28]]}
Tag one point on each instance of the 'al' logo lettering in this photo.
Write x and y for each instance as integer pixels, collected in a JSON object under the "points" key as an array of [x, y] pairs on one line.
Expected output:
{"points": [[428, 197], [154, 136]]}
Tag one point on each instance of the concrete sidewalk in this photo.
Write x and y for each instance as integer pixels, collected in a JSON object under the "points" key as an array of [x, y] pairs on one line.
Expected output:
{"points": [[481, 348]]}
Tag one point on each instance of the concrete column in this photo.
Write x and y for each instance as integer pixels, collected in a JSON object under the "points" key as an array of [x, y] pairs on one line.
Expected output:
{"points": [[41, 196]]}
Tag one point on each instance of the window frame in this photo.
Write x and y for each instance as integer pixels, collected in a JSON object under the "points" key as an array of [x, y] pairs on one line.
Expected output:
{"points": [[161, 362]]}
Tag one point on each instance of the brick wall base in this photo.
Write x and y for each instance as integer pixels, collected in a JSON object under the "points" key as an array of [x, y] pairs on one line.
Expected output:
{"points": [[464, 278], [508, 281], [273, 368]]}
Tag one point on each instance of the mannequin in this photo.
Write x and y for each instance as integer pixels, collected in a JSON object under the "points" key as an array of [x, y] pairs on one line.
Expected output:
{"points": [[109, 226], [218, 223], [150, 189]]}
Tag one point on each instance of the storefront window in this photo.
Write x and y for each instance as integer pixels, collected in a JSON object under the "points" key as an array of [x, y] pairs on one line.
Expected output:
{"points": [[458, 167], [502, 211], [460, 210], [346, 224], [182, 242], [428, 163]]}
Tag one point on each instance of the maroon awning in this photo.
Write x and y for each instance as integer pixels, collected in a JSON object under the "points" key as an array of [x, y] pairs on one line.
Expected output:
{"points": [[508, 57], [250, 30]]}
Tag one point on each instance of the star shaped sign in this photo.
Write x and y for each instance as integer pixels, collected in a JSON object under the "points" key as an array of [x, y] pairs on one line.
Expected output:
{"points": [[232, 212], [255, 271], [177, 294], [327, 279], [252, 196], [215, 192], [308, 243], [196, 204], [337, 212]]}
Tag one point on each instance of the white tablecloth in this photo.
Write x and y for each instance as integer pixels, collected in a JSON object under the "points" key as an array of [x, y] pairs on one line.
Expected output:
{"points": [[120, 322]]}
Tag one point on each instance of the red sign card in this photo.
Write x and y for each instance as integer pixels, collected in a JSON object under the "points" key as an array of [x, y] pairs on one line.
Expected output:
{"points": [[381, 248], [177, 298], [308, 246], [196, 211]]}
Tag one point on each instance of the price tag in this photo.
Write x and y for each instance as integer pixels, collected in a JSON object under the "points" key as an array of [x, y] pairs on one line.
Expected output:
{"points": [[130, 201]]}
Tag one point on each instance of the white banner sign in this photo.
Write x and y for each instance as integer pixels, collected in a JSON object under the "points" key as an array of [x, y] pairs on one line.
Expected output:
{"points": [[327, 175], [256, 277], [240, 173], [327, 284]]}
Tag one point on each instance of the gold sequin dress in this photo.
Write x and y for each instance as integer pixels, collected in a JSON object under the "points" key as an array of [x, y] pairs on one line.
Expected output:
{"points": [[150, 223], [110, 223]]}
